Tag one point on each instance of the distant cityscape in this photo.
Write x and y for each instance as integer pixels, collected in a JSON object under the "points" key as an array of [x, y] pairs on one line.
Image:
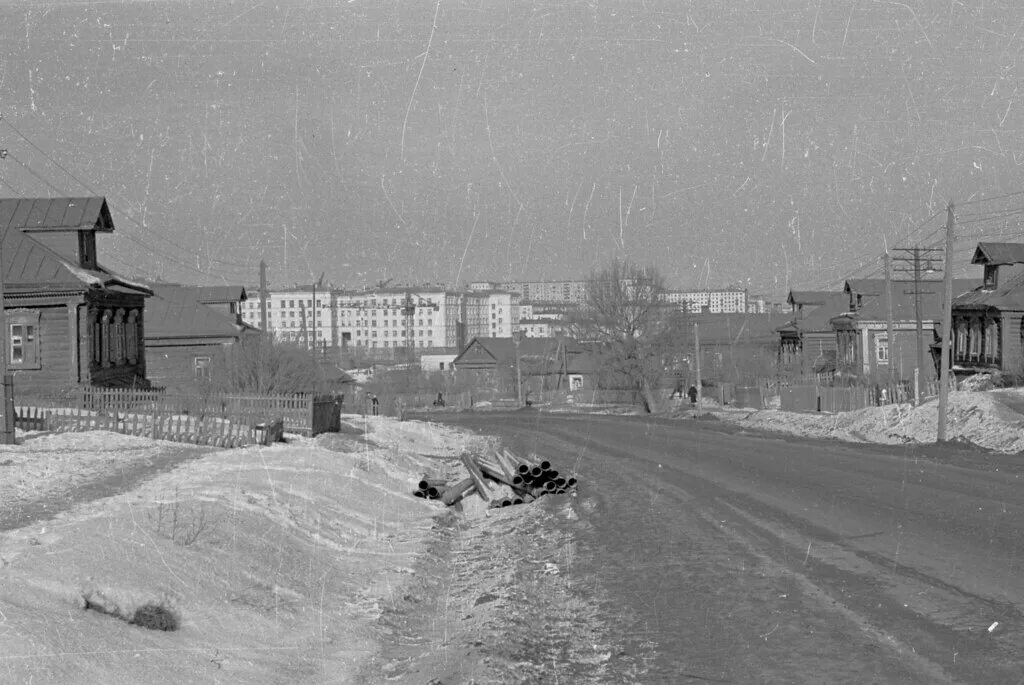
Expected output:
{"points": [[388, 320]]}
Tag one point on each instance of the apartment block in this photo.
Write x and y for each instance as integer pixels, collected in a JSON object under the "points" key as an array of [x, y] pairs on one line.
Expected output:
{"points": [[727, 301]]}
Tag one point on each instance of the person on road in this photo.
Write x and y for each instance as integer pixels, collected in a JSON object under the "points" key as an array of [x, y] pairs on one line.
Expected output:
{"points": [[375, 403], [693, 394]]}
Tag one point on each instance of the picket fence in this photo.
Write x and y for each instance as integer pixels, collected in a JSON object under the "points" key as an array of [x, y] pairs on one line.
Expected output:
{"points": [[223, 420]]}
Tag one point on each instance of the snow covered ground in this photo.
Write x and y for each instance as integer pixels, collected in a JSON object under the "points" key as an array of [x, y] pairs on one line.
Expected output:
{"points": [[277, 560], [982, 418]]}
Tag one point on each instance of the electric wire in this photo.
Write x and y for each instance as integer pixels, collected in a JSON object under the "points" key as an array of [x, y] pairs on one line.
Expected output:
{"points": [[121, 211]]}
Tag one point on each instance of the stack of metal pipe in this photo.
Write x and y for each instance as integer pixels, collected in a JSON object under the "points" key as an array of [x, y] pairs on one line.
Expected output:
{"points": [[527, 477]]}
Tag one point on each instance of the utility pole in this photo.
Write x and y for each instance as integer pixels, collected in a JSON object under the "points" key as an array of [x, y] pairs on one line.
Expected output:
{"points": [[7, 381], [264, 296], [696, 347], [947, 324], [890, 338], [912, 263], [519, 373]]}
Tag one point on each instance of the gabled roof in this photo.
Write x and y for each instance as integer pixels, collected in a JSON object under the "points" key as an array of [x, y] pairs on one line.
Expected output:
{"points": [[1006, 296], [817, 321], [220, 294], [998, 253], [904, 304], [736, 328], [29, 267], [56, 214], [809, 297], [865, 286], [175, 311]]}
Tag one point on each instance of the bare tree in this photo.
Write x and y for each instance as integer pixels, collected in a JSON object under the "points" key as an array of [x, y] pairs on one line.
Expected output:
{"points": [[637, 332], [259, 364]]}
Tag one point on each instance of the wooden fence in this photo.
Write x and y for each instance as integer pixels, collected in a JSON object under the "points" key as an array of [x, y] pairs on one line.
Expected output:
{"points": [[850, 398], [223, 420]]}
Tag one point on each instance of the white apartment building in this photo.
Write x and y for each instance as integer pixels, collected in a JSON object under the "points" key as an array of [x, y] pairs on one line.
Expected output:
{"points": [[562, 292], [490, 314], [710, 301], [384, 320], [302, 314]]}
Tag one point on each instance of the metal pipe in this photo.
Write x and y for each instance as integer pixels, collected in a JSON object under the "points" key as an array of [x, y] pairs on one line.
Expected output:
{"points": [[457, 491]]}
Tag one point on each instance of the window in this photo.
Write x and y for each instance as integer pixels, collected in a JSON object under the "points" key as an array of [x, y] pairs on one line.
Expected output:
{"points": [[201, 367], [882, 349], [990, 279], [23, 340]]}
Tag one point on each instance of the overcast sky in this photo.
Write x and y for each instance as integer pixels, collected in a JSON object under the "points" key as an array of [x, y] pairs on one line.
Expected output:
{"points": [[768, 143]]}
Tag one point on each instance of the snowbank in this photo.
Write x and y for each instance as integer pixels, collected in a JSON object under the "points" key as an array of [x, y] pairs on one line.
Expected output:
{"points": [[975, 417]]}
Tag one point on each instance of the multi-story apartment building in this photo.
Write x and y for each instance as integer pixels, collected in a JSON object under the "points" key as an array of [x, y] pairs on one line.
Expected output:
{"points": [[302, 314], [385, 322], [490, 314], [729, 301], [561, 292]]}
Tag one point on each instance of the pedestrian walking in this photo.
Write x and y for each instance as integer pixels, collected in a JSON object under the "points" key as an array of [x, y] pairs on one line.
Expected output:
{"points": [[693, 394]]}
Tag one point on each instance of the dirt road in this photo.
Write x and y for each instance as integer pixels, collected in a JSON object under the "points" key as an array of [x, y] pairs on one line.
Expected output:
{"points": [[724, 556]]}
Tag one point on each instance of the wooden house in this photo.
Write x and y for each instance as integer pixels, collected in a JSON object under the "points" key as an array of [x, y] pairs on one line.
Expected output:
{"points": [[186, 338], [988, 321], [862, 332], [544, 363], [807, 342], [69, 321]]}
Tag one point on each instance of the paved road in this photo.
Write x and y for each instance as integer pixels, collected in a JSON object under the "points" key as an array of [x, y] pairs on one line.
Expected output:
{"points": [[744, 557]]}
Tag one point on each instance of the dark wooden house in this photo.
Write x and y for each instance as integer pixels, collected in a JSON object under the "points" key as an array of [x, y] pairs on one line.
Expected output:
{"points": [[69, 321], [807, 342], [186, 338], [988, 321]]}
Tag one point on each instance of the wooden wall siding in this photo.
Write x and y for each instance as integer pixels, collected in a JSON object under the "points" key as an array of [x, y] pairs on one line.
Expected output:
{"points": [[55, 348], [1013, 354], [173, 367]]}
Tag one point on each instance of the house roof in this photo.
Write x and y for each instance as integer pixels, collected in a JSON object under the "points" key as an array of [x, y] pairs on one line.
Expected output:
{"points": [[817, 320], [998, 253], [175, 311], [1006, 296], [534, 353], [809, 297], [220, 294], [56, 214], [904, 304], [30, 267], [719, 329]]}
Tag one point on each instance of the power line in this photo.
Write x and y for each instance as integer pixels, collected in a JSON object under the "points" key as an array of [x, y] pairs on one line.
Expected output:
{"points": [[33, 172], [82, 183], [989, 199]]}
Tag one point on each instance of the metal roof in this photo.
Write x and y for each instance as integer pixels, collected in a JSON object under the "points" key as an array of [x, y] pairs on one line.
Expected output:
{"points": [[56, 214], [1006, 296], [219, 294], [175, 311], [30, 267], [816, 297], [998, 253]]}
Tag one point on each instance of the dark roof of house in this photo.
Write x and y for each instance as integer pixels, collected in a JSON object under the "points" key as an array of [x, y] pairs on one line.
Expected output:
{"points": [[998, 253], [1006, 296], [56, 214], [904, 305], [811, 297], [722, 329], [220, 294], [817, 320], [30, 267], [175, 311]]}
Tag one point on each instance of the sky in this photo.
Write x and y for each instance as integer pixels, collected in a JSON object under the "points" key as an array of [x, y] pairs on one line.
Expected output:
{"points": [[766, 144]]}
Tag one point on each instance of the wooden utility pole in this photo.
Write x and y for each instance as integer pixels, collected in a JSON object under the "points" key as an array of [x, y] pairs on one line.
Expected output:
{"points": [[696, 348], [891, 339], [947, 324], [516, 336], [6, 380], [912, 265], [264, 296]]}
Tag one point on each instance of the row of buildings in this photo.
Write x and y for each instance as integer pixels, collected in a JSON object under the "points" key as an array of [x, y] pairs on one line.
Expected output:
{"points": [[888, 329], [389, 322]]}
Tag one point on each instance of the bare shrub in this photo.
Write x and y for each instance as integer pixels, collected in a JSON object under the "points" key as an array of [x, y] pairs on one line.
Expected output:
{"points": [[182, 522], [259, 364]]}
